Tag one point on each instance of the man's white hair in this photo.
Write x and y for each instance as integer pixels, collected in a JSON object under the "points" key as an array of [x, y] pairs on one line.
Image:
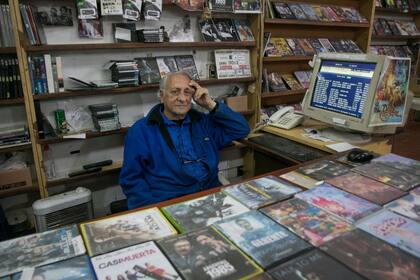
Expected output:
{"points": [[163, 81]]}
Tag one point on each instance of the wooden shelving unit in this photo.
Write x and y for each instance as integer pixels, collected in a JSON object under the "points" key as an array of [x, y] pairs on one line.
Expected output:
{"points": [[395, 37], [8, 50], [286, 97], [331, 24], [287, 58], [124, 90], [16, 191], [16, 147], [11, 101]]}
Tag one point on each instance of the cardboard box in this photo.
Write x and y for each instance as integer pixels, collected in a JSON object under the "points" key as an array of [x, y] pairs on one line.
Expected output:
{"points": [[10, 179], [237, 103]]}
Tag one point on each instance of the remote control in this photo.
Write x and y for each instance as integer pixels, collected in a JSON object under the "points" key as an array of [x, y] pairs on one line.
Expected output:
{"points": [[84, 171], [97, 164]]}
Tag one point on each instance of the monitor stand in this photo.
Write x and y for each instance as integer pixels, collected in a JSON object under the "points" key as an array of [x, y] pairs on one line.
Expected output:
{"points": [[345, 136]]}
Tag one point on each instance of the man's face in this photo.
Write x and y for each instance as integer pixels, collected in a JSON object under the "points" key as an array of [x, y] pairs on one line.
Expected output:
{"points": [[177, 97], [244, 224], [182, 247]]}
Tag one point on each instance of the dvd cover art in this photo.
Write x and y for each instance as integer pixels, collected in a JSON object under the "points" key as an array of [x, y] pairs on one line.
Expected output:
{"points": [[295, 47], [408, 206], [203, 211], [320, 13], [297, 11], [316, 45], [91, 28], [281, 45], [372, 258], [299, 179], [143, 261], [366, 188], [132, 9], [275, 187], [40, 249], [401, 163], [243, 29], [388, 175], [313, 265], [309, 11], [265, 241], [248, 196], [308, 222], [206, 255], [275, 82], [225, 29], [394, 229], [190, 5], [291, 82], [111, 7], [232, 63], [148, 70], [208, 31], [323, 169], [306, 47], [303, 78], [72, 269], [246, 6], [391, 93], [342, 204], [87, 9], [283, 11], [166, 64], [186, 63], [221, 5], [55, 16], [152, 9], [327, 45], [111, 234]]}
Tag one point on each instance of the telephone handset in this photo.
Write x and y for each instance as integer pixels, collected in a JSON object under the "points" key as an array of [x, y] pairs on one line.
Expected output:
{"points": [[285, 118]]}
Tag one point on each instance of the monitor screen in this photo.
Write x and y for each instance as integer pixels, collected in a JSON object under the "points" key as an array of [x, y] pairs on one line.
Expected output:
{"points": [[342, 86]]}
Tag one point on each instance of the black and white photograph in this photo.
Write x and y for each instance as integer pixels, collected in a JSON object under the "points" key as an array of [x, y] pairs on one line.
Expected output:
{"points": [[56, 16], [225, 29]]}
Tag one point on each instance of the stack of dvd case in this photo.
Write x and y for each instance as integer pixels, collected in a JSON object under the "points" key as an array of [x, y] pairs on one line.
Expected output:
{"points": [[155, 35], [105, 116], [125, 72], [14, 135]]}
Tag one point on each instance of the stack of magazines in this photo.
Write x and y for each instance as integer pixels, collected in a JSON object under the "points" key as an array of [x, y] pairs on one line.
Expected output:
{"points": [[155, 35], [125, 72], [14, 135], [105, 116]]}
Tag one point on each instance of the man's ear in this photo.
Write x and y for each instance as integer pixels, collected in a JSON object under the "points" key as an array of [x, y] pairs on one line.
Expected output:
{"points": [[161, 93]]}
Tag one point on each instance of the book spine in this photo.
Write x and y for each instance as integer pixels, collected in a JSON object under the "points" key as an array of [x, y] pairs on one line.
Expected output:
{"points": [[33, 25], [60, 77], [28, 28], [31, 68], [11, 39], [43, 73], [54, 72]]}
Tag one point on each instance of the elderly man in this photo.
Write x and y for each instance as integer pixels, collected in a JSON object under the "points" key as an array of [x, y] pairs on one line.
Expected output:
{"points": [[173, 151]]}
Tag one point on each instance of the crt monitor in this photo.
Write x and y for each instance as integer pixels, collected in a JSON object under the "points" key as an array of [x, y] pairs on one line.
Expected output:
{"points": [[358, 92]]}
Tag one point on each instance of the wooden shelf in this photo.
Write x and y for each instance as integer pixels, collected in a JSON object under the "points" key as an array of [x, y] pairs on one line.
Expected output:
{"points": [[395, 37], [124, 90], [16, 191], [11, 50], [120, 46], [11, 101], [16, 147], [316, 23], [394, 11], [106, 170], [287, 58], [289, 96]]}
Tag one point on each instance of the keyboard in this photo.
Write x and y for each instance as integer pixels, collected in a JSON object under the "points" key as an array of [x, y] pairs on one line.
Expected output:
{"points": [[288, 148]]}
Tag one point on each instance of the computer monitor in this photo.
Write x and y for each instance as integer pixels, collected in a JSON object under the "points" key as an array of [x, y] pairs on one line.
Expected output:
{"points": [[358, 92]]}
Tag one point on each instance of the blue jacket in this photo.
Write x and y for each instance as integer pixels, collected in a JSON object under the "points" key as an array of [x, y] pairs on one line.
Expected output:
{"points": [[153, 171]]}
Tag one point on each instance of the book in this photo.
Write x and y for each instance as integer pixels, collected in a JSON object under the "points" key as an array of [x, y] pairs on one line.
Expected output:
{"points": [[111, 7], [401, 163], [121, 231], [55, 16], [337, 202], [388, 175], [299, 179], [87, 9], [152, 9], [283, 11], [132, 9], [394, 229], [295, 47], [144, 261], [307, 221], [203, 211], [371, 257], [205, 254], [232, 63], [148, 70], [246, 6], [40, 249], [281, 46], [91, 28], [291, 82], [275, 82], [186, 63], [323, 169], [297, 11], [243, 29], [225, 29], [166, 64], [262, 191], [407, 206], [265, 241], [313, 265], [366, 188]]}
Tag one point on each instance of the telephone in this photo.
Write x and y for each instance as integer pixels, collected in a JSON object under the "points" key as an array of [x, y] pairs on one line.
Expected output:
{"points": [[285, 118]]}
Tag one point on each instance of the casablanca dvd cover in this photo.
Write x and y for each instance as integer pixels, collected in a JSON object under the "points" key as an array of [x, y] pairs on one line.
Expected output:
{"points": [[299, 179], [148, 70], [264, 240], [166, 64], [248, 196], [143, 261], [206, 255], [121, 231], [394, 229], [347, 206], [203, 211], [323, 169], [366, 188], [388, 175], [307, 221], [408, 206], [313, 265], [40, 249], [372, 258], [186, 63], [401, 163]]}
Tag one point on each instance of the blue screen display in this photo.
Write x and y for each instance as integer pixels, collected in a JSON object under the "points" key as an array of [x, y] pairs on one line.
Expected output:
{"points": [[342, 87]]}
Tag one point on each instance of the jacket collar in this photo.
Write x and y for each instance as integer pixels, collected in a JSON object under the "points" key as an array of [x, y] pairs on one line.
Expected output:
{"points": [[155, 116]]}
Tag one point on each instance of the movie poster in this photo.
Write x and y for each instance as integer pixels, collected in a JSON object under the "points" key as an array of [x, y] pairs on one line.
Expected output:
{"points": [[391, 93]]}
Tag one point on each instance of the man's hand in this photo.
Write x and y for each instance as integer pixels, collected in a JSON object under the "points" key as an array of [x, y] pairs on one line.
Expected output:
{"points": [[202, 97]]}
